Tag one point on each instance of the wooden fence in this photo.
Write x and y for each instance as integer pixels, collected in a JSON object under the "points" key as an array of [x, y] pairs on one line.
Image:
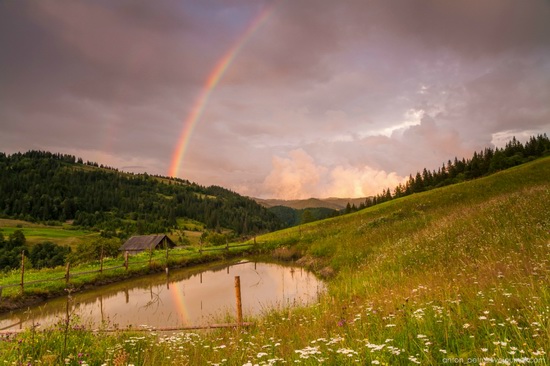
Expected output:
{"points": [[126, 264], [239, 323]]}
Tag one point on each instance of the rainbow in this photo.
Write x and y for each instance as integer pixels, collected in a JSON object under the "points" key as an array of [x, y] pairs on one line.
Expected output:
{"points": [[179, 303], [211, 82]]}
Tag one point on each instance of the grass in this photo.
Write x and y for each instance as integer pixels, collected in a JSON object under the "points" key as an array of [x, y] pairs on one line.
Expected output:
{"points": [[51, 282], [37, 233], [454, 275]]}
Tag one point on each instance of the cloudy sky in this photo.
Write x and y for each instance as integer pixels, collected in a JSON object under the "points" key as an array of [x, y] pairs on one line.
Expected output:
{"points": [[319, 98]]}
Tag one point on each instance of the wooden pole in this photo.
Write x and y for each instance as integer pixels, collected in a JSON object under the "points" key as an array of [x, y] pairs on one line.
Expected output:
{"points": [[67, 273], [126, 260], [239, 303], [22, 272], [101, 260], [166, 257]]}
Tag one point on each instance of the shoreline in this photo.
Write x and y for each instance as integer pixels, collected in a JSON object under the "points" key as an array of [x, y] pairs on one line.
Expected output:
{"points": [[17, 302]]}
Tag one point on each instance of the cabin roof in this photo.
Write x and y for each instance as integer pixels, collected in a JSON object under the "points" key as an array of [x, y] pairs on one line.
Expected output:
{"points": [[146, 242]]}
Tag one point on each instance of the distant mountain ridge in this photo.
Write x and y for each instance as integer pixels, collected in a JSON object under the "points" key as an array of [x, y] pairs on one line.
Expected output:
{"points": [[331, 202]]}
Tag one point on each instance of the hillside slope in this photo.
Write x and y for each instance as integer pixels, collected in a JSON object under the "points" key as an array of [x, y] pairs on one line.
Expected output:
{"points": [[45, 187], [461, 271], [455, 275]]}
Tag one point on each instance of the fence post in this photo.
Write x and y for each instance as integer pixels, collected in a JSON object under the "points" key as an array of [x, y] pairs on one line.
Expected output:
{"points": [[227, 244], [67, 273], [22, 272], [239, 303], [166, 258], [126, 260], [0, 292], [150, 257], [101, 261]]}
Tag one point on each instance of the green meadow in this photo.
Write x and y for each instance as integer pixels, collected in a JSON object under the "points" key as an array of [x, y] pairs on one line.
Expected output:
{"points": [[42, 284], [36, 233], [456, 275]]}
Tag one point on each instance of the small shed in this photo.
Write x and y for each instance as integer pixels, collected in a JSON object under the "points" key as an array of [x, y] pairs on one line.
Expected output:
{"points": [[141, 243]]}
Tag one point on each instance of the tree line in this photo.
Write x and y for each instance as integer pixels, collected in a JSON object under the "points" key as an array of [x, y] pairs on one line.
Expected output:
{"points": [[482, 163], [40, 186], [45, 254]]}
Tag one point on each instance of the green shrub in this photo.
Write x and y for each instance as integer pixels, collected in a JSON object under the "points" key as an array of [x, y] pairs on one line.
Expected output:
{"points": [[92, 250], [48, 254]]}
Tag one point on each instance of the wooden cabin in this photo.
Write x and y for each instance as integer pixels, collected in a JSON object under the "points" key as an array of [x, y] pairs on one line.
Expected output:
{"points": [[140, 243]]}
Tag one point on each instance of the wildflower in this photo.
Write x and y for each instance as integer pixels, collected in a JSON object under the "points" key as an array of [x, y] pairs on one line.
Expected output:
{"points": [[346, 351], [334, 340], [484, 350], [414, 359], [308, 351], [374, 347], [443, 350], [466, 326], [483, 317]]}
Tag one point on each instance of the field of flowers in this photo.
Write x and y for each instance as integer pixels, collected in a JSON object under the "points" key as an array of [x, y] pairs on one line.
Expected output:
{"points": [[458, 275]]}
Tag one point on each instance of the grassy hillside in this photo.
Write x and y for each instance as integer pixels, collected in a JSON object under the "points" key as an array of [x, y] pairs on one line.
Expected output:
{"points": [[37, 233], [51, 188], [456, 274]]}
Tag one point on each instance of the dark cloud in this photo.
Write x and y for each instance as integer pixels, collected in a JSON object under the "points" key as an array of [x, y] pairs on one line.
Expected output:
{"points": [[470, 27], [324, 98]]}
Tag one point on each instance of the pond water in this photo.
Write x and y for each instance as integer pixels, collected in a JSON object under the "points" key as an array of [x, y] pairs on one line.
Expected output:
{"points": [[186, 297]]}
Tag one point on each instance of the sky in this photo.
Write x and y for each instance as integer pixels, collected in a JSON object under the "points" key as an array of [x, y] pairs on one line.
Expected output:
{"points": [[285, 99]]}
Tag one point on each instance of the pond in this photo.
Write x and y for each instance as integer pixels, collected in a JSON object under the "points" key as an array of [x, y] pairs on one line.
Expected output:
{"points": [[184, 297]]}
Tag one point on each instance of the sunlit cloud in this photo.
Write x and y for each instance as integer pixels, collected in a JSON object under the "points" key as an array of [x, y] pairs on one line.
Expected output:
{"points": [[298, 176], [345, 100]]}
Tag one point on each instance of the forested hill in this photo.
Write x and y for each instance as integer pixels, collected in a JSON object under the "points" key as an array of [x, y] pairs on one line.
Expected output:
{"points": [[43, 186]]}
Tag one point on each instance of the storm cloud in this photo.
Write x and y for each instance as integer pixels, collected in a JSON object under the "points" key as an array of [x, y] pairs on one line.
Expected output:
{"points": [[325, 98]]}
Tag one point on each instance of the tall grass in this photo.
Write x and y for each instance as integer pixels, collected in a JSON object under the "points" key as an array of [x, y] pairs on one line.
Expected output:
{"points": [[455, 275]]}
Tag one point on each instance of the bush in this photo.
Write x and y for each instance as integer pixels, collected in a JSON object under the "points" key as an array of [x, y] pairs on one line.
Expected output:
{"points": [[48, 254], [90, 251], [10, 250]]}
